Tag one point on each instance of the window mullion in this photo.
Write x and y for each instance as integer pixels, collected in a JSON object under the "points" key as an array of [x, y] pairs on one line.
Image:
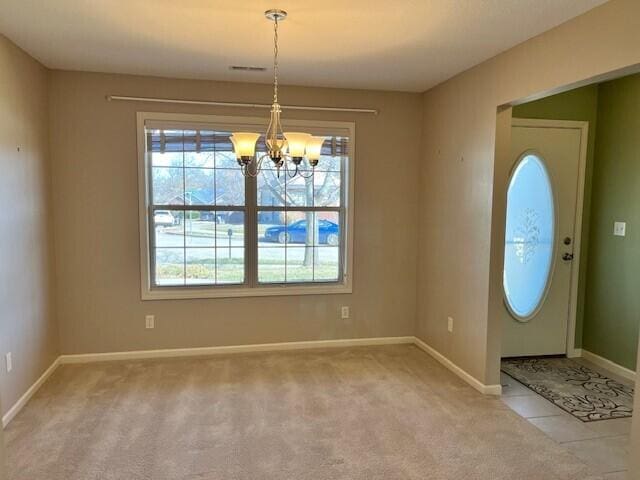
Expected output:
{"points": [[151, 228], [184, 215], [251, 232]]}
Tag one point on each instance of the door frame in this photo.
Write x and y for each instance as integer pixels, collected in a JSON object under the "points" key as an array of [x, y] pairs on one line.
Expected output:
{"points": [[583, 127]]}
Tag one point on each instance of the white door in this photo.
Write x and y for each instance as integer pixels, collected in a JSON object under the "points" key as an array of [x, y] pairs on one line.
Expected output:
{"points": [[540, 236]]}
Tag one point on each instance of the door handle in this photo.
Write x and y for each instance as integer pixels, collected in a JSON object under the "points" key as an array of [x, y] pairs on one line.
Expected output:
{"points": [[567, 257]]}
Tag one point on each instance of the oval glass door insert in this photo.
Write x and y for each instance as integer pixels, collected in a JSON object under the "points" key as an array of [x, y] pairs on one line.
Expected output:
{"points": [[529, 237]]}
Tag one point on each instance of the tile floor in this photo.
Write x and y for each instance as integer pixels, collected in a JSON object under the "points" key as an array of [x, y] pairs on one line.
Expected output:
{"points": [[603, 445]]}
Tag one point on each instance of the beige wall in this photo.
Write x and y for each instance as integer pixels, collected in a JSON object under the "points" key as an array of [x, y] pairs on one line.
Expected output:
{"points": [[27, 326], [457, 222], [95, 189]]}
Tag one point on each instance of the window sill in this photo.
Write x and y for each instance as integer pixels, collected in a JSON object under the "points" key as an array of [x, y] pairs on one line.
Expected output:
{"points": [[231, 292]]}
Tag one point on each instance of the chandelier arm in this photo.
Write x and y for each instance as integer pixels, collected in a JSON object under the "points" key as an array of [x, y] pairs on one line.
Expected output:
{"points": [[288, 171], [246, 171], [260, 160], [255, 172], [309, 175], [258, 166]]}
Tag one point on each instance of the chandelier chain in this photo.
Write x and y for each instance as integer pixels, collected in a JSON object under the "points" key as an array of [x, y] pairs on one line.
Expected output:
{"points": [[275, 60]]}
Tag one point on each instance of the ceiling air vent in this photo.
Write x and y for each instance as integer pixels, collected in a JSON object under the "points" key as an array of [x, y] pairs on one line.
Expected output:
{"points": [[243, 68]]}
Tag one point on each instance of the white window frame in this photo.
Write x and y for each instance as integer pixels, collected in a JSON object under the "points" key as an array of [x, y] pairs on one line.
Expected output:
{"points": [[178, 120]]}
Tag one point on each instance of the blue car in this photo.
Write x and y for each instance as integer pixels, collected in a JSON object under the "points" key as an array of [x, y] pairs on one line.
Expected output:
{"points": [[297, 233]]}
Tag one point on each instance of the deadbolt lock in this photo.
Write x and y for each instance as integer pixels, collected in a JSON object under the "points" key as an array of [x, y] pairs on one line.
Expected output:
{"points": [[567, 240]]}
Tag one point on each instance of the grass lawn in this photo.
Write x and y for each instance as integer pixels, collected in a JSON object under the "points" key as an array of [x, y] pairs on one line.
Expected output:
{"points": [[208, 229], [228, 271]]}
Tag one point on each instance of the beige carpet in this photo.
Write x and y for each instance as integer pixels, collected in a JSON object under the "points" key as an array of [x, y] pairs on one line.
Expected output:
{"points": [[362, 413]]}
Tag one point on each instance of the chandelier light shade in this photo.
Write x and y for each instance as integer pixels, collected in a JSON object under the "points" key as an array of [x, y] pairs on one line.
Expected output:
{"points": [[283, 149], [244, 145], [297, 144], [314, 148]]}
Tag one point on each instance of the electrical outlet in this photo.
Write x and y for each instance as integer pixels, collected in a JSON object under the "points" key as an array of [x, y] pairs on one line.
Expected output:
{"points": [[150, 321], [450, 324], [9, 362], [344, 312]]}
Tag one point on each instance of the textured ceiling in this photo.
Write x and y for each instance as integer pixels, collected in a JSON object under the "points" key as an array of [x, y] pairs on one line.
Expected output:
{"points": [[408, 45]]}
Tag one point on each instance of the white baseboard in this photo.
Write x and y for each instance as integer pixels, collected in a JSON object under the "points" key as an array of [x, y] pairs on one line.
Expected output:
{"points": [[22, 401], [471, 380], [205, 351], [574, 353], [609, 365]]}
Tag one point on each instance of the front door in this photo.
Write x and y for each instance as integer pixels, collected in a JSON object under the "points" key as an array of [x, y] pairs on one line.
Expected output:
{"points": [[540, 236]]}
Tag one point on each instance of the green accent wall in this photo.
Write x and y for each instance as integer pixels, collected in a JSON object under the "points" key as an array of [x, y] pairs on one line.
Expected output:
{"points": [[579, 104], [612, 307]]}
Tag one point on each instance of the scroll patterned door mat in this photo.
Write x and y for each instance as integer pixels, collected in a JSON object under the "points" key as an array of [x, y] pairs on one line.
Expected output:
{"points": [[584, 393]]}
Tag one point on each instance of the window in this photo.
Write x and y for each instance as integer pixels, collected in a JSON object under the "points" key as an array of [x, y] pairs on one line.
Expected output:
{"points": [[529, 239], [207, 231]]}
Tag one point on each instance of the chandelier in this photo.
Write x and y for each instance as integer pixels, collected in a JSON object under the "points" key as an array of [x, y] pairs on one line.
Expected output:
{"points": [[285, 149]]}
